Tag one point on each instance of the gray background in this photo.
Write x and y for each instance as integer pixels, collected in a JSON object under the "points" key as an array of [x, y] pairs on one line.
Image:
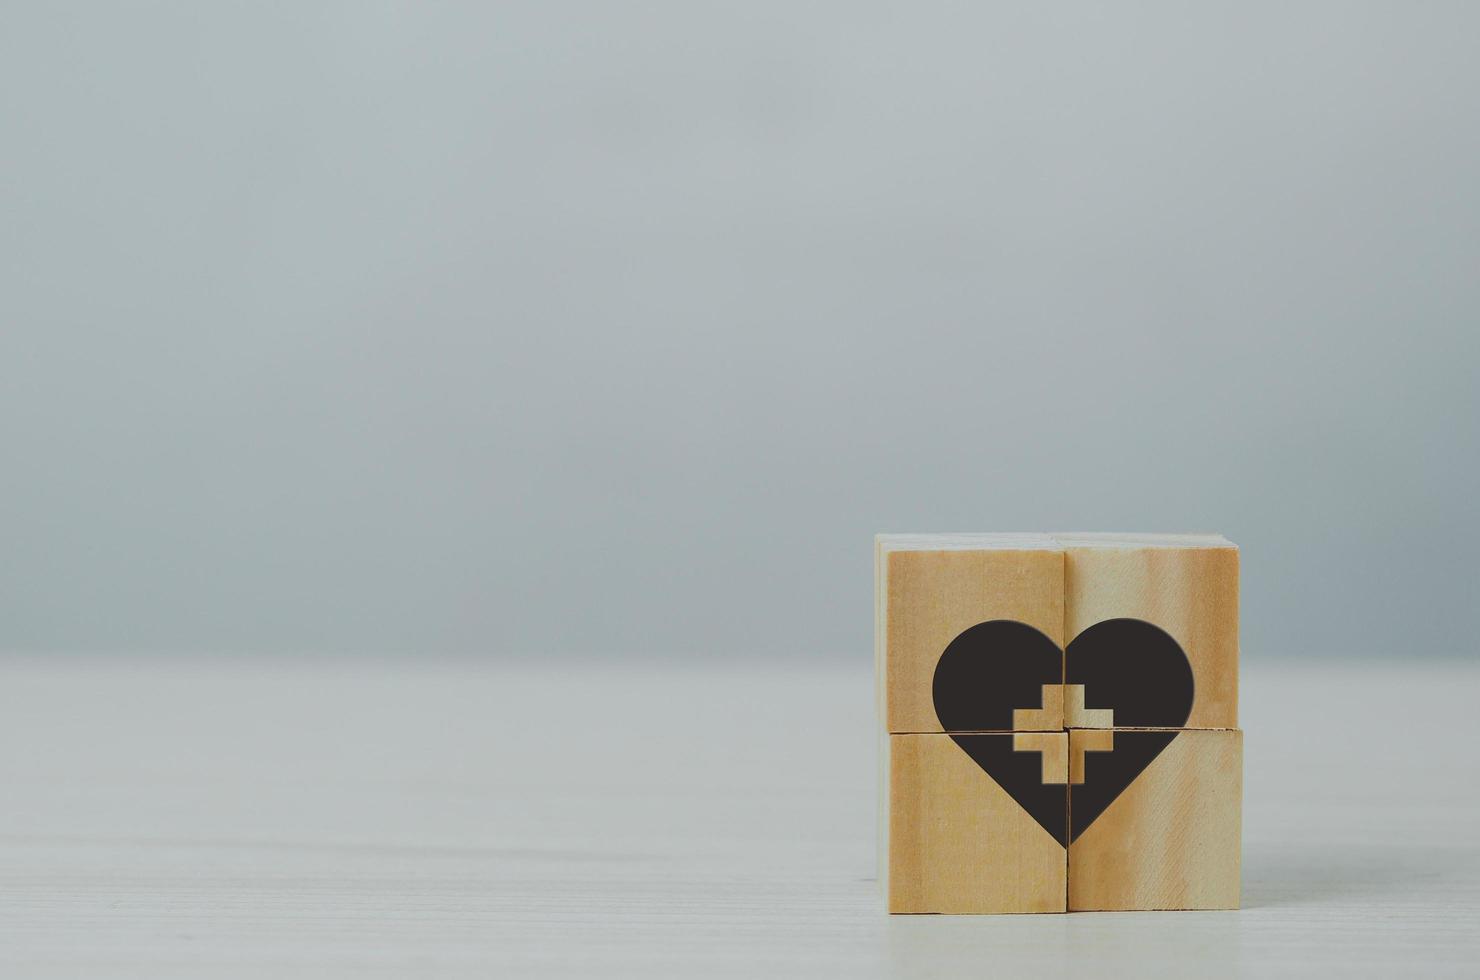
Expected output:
{"points": [[618, 329]]}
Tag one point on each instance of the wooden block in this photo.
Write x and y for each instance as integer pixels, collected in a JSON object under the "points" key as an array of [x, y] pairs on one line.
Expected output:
{"points": [[1154, 819], [1022, 774], [955, 840], [1185, 584], [932, 589]]}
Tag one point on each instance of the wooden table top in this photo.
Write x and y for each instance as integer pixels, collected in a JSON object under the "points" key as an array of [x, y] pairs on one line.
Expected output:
{"points": [[262, 817]]}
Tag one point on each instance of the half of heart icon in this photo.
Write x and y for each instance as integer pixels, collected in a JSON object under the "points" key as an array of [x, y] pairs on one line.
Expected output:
{"points": [[1117, 674]]}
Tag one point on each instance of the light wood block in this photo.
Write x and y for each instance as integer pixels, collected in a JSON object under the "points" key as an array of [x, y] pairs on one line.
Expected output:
{"points": [[955, 840], [1186, 584], [1059, 721], [932, 588], [1168, 840]]}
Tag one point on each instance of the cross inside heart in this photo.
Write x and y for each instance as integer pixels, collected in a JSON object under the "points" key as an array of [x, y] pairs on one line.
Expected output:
{"points": [[1005, 676]]}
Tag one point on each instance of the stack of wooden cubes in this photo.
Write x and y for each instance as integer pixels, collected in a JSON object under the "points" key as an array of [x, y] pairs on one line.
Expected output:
{"points": [[1059, 722]]}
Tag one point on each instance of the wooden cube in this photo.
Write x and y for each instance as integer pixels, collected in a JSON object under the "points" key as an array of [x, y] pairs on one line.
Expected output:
{"points": [[1184, 584], [1059, 721], [1155, 819], [956, 840], [932, 589]]}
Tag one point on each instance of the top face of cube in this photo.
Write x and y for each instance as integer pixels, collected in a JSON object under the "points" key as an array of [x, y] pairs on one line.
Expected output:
{"points": [[970, 629]]}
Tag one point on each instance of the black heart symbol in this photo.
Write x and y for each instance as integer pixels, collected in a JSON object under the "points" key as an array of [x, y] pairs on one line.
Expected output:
{"points": [[1134, 669]]}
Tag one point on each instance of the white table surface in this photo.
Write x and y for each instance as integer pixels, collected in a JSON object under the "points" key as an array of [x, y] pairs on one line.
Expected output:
{"points": [[224, 818]]}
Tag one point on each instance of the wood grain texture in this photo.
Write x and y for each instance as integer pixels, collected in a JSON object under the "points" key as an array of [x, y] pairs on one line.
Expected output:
{"points": [[958, 842], [930, 596], [1172, 839], [208, 818], [1186, 584]]}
